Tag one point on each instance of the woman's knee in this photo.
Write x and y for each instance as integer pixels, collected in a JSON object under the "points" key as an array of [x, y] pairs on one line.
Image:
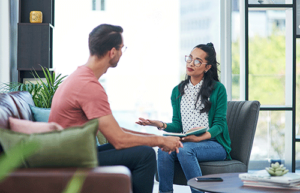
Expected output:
{"points": [[165, 155], [185, 151]]}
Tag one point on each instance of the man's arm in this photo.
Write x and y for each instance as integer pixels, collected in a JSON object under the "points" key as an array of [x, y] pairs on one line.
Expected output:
{"points": [[135, 132], [120, 139]]}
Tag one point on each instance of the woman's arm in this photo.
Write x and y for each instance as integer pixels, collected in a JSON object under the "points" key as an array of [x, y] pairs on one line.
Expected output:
{"points": [[176, 125], [148, 122], [219, 119]]}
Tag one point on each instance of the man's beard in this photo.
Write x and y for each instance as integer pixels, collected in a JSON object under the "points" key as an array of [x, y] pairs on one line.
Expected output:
{"points": [[114, 62]]}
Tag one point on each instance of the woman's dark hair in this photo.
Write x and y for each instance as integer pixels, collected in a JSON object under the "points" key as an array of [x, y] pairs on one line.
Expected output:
{"points": [[209, 78], [103, 38]]}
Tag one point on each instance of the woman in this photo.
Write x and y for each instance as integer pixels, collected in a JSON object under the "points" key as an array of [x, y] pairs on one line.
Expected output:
{"points": [[199, 100]]}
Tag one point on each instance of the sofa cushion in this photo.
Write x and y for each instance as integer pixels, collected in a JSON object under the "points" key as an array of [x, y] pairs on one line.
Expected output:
{"points": [[218, 167], [71, 147], [40, 114], [7, 109], [22, 101], [14, 104], [29, 127]]}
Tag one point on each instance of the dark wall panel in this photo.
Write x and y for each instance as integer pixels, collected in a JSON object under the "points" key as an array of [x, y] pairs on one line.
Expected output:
{"points": [[34, 46]]}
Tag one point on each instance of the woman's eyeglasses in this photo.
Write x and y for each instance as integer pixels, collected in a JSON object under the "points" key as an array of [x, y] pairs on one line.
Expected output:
{"points": [[196, 62]]}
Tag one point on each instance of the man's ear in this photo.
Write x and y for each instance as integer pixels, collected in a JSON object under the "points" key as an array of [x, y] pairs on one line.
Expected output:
{"points": [[112, 52]]}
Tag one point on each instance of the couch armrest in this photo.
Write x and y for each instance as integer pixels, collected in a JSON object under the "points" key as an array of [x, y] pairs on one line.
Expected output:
{"points": [[109, 179]]}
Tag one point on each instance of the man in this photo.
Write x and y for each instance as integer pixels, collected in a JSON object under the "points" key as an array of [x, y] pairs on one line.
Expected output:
{"points": [[81, 98]]}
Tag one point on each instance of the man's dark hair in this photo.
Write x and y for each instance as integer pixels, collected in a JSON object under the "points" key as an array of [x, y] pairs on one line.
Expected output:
{"points": [[103, 38]]}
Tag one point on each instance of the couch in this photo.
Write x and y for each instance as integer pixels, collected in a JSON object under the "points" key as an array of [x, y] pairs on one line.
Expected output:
{"points": [[110, 179]]}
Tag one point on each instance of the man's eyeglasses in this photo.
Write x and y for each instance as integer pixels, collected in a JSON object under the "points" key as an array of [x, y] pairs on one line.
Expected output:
{"points": [[124, 48], [196, 62]]}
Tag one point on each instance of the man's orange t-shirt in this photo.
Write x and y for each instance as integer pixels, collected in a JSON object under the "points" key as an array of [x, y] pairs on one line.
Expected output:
{"points": [[79, 99]]}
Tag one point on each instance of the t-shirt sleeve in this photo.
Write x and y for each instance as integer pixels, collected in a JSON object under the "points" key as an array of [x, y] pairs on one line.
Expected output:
{"points": [[94, 101]]}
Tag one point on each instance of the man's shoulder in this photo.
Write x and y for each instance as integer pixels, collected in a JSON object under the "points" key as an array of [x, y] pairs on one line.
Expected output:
{"points": [[80, 78], [83, 73]]}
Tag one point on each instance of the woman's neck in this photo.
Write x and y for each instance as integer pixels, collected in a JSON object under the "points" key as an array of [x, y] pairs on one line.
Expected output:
{"points": [[196, 79]]}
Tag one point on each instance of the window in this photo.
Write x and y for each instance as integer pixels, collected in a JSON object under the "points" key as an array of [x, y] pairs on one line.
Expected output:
{"points": [[98, 5], [157, 33]]}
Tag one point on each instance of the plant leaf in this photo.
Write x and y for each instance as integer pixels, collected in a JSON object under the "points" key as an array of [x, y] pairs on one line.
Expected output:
{"points": [[9, 87], [49, 76], [53, 74], [76, 182]]}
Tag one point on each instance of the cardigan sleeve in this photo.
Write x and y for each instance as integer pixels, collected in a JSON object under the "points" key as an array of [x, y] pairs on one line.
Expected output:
{"points": [[176, 125], [219, 120]]}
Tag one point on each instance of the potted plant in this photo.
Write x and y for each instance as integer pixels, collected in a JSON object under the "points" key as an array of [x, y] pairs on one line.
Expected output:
{"points": [[42, 92]]}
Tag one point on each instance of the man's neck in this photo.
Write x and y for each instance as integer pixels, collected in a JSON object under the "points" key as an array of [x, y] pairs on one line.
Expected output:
{"points": [[98, 66]]}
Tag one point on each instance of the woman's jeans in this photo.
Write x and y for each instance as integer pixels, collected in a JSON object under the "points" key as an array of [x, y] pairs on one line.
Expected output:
{"points": [[188, 157]]}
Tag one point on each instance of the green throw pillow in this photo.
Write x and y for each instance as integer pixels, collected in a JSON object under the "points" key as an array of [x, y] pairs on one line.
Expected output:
{"points": [[101, 139], [40, 114], [71, 147]]}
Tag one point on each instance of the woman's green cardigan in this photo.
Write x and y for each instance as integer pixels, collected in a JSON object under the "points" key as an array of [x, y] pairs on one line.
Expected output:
{"points": [[216, 117]]}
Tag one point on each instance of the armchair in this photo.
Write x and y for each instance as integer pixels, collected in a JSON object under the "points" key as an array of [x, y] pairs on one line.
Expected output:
{"points": [[242, 119]]}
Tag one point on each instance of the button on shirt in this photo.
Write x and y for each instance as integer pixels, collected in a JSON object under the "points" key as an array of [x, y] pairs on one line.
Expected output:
{"points": [[190, 115]]}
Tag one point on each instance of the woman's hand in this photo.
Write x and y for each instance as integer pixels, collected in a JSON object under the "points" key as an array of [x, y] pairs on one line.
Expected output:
{"points": [[194, 138], [149, 122], [191, 138]]}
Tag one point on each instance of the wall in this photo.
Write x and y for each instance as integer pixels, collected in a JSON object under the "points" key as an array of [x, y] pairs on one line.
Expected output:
{"points": [[4, 41]]}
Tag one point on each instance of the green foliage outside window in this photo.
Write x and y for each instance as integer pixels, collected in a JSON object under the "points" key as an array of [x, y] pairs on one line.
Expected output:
{"points": [[267, 62]]}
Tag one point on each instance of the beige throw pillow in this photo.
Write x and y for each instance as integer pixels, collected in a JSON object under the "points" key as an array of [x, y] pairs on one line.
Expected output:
{"points": [[29, 127]]}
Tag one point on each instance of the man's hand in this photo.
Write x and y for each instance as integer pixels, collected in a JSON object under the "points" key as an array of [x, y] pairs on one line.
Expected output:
{"points": [[171, 144]]}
